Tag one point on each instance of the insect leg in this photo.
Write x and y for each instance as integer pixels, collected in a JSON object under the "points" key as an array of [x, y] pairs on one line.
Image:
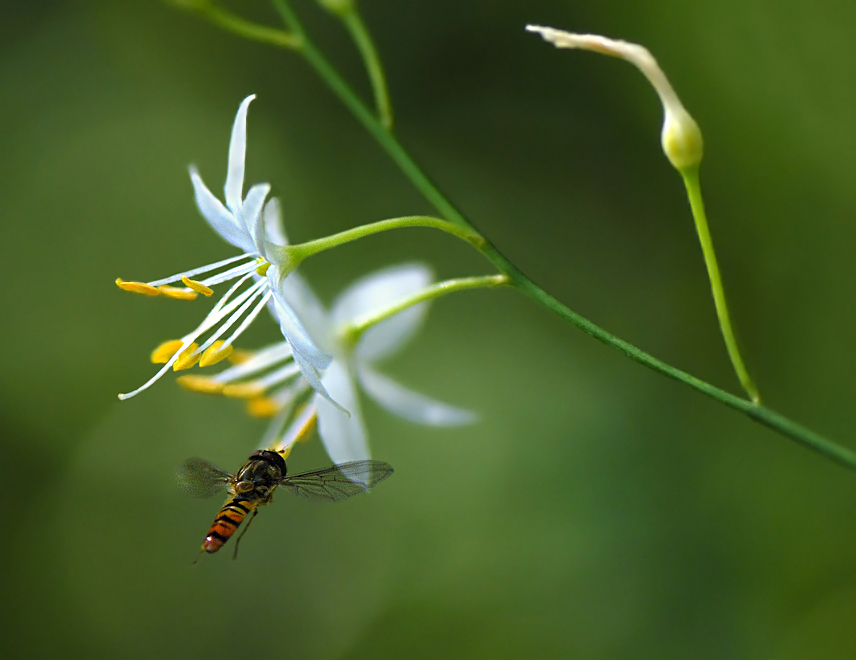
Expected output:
{"points": [[243, 531]]}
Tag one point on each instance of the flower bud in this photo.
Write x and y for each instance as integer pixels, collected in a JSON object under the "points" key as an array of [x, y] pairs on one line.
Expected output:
{"points": [[681, 136]]}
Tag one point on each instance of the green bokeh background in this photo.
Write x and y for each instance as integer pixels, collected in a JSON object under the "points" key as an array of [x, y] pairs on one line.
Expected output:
{"points": [[598, 510]]}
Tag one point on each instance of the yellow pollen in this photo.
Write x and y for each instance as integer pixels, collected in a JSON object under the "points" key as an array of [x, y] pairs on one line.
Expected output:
{"points": [[137, 287], [239, 356], [176, 293], [263, 268], [199, 287], [165, 351], [244, 390], [213, 354], [187, 358], [262, 407], [202, 384]]}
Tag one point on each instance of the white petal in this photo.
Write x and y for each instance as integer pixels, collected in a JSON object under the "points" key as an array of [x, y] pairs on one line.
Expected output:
{"points": [[344, 437], [380, 289], [252, 215], [411, 405], [218, 216], [273, 222], [388, 336], [292, 328], [312, 376], [376, 292], [237, 150], [309, 309]]}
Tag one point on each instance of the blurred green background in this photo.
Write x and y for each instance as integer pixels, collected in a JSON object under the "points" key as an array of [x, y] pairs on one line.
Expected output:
{"points": [[598, 510]]}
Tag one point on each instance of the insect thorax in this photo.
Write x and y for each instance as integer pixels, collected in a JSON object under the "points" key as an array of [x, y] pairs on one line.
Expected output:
{"points": [[257, 478]]}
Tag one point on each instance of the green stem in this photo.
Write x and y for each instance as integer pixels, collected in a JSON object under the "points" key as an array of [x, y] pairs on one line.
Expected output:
{"points": [[351, 101], [761, 414], [691, 181], [357, 29], [354, 330], [243, 27], [297, 253]]}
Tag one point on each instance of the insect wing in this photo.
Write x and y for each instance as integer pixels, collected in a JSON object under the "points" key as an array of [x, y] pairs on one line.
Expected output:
{"points": [[338, 482], [200, 478]]}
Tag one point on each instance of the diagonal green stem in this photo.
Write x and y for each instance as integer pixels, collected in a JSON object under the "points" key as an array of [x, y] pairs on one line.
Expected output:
{"points": [[347, 96], [357, 29]]}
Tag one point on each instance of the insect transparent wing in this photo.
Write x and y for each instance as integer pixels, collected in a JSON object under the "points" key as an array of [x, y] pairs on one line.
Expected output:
{"points": [[200, 478], [338, 482]]}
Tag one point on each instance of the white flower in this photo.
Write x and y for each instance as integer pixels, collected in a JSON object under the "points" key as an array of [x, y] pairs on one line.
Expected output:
{"points": [[345, 437], [274, 383], [260, 270]]}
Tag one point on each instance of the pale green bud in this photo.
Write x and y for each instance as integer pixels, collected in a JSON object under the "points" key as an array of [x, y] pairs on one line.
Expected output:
{"points": [[681, 136], [681, 139]]}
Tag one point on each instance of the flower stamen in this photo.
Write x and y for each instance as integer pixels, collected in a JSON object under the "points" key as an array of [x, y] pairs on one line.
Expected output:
{"points": [[137, 287], [199, 287], [203, 384], [177, 293], [255, 362], [215, 353], [187, 358], [239, 356], [299, 430], [251, 390], [166, 350], [184, 358], [263, 407], [198, 271]]}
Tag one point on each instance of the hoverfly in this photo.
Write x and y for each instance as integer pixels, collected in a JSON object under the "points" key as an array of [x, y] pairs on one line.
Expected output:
{"points": [[254, 483]]}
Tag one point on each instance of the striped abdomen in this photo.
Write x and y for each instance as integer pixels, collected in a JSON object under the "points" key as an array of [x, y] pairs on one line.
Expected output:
{"points": [[227, 522]]}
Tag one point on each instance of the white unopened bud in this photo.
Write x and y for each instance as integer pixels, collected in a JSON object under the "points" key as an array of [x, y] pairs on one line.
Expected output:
{"points": [[681, 137]]}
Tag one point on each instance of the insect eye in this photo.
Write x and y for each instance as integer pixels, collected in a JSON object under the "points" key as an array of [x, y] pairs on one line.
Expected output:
{"points": [[244, 486]]}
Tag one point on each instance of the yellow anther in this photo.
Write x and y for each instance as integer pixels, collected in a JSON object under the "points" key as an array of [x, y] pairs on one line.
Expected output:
{"points": [[199, 287], [213, 354], [239, 356], [263, 268], [244, 390], [202, 384], [303, 435], [137, 287], [262, 407], [176, 293], [187, 358], [165, 351]]}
